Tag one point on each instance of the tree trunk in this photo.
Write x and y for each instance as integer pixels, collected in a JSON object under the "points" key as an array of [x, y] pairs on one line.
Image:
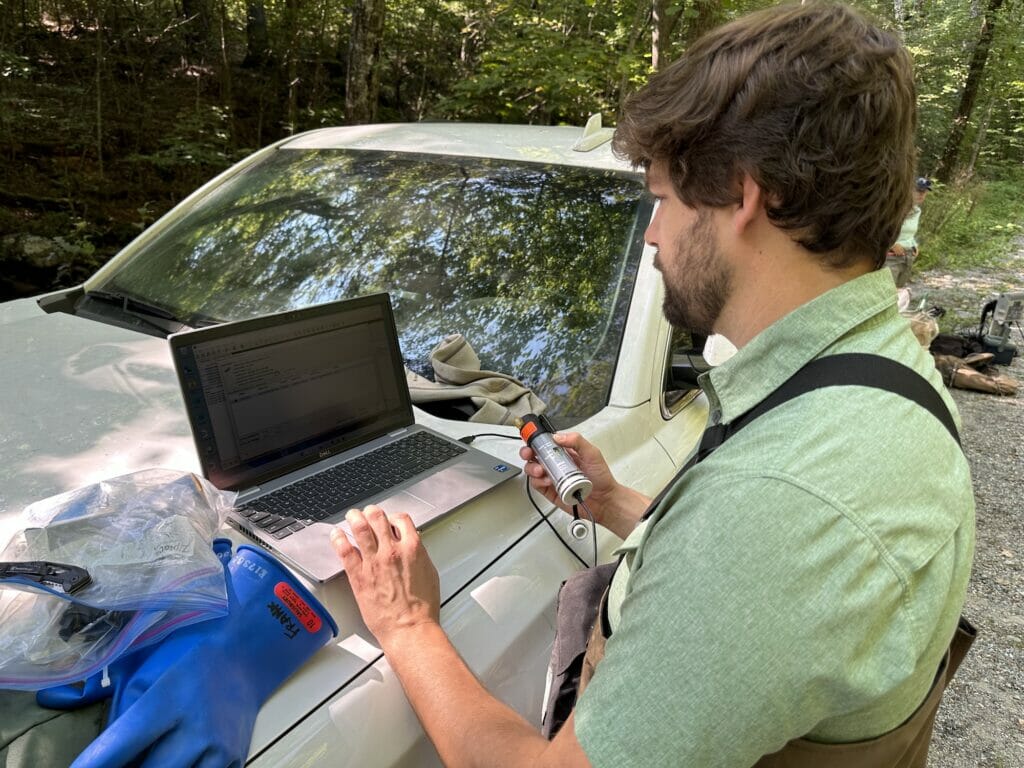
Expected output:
{"points": [[664, 24], [319, 75], [899, 15], [292, 65], [226, 96], [8, 27], [99, 88], [948, 162], [362, 82], [23, 47], [709, 14], [257, 38], [979, 138], [640, 20], [197, 28], [293, 92]]}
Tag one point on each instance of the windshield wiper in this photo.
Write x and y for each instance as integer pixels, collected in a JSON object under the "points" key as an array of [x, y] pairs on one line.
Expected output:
{"points": [[134, 314]]}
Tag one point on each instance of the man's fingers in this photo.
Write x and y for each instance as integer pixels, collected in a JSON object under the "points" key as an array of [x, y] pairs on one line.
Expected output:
{"points": [[381, 526], [350, 557], [539, 479], [406, 530], [574, 441], [362, 532], [535, 470], [542, 484]]}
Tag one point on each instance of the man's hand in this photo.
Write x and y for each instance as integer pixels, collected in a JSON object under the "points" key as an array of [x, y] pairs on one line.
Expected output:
{"points": [[398, 592], [897, 250], [588, 458], [393, 580], [613, 505]]}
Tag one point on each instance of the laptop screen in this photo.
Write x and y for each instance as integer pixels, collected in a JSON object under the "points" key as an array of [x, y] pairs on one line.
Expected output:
{"points": [[273, 394]]}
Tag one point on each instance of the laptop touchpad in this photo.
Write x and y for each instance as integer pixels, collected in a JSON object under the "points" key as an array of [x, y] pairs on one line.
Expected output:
{"points": [[420, 510]]}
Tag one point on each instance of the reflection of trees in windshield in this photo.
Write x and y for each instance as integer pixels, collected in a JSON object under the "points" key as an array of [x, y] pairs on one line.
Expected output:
{"points": [[533, 264]]}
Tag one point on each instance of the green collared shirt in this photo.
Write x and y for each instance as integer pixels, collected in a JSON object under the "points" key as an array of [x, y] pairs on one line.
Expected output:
{"points": [[806, 578]]}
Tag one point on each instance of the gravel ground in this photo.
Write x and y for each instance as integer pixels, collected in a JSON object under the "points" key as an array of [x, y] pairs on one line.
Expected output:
{"points": [[981, 720]]}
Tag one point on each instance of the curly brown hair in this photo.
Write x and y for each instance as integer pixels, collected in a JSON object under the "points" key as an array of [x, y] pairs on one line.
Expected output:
{"points": [[814, 101]]}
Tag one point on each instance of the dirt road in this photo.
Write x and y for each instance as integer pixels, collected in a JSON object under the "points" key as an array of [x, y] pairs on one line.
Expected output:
{"points": [[981, 721]]}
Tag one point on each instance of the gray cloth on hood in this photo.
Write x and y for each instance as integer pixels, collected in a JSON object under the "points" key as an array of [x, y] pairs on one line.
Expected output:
{"points": [[498, 397]]}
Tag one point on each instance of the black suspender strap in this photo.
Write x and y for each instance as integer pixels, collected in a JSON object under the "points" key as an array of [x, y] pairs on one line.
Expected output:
{"points": [[847, 369], [857, 370]]}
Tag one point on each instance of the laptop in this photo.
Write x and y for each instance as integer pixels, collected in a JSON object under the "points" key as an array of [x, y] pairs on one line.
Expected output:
{"points": [[306, 414]]}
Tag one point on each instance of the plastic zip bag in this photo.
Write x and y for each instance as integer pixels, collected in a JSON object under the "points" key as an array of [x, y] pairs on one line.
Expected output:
{"points": [[145, 541]]}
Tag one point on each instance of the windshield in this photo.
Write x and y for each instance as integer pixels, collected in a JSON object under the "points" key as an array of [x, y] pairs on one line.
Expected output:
{"points": [[533, 264]]}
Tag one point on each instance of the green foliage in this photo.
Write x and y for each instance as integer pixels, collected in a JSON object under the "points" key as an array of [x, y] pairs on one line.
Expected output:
{"points": [[558, 63], [941, 37], [200, 140], [113, 105], [81, 237], [412, 81], [974, 223], [13, 65]]}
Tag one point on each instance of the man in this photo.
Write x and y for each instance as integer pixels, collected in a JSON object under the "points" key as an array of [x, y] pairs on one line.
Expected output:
{"points": [[806, 578], [902, 253]]}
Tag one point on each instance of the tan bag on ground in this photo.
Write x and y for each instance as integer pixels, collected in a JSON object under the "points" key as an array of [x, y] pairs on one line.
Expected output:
{"points": [[962, 372], [924, 326]]}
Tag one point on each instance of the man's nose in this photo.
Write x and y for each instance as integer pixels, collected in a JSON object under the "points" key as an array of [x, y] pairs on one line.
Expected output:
{"points": [[651, 233]]}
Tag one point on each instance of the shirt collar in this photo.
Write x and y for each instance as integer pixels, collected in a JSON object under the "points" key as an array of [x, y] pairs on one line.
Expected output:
{"points": [[792, 341]]}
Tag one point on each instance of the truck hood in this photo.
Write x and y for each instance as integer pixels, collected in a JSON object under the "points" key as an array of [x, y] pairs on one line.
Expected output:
{"points": [[82, 401], [86, 401]]}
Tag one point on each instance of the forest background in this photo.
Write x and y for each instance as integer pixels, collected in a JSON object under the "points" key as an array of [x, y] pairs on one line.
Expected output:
{"points": [[113, 110]]}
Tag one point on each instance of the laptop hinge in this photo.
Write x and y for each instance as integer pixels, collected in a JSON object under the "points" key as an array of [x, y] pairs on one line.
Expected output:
{"points": [[247, 494]]}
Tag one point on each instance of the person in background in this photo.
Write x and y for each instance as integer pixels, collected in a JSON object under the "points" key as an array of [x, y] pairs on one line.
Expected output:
{"points": [[901, 256]]}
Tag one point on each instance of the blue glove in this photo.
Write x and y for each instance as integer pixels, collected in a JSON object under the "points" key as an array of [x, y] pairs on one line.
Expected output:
{"points": [[194, 699], [96, 688], [222, 549], [111, 680]]}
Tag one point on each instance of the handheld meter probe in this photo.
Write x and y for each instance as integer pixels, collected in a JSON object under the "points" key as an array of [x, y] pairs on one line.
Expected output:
{"points": [[571, 485]]}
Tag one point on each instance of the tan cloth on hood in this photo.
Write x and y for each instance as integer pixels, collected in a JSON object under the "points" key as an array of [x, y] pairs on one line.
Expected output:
{"points": [[498, 398]]}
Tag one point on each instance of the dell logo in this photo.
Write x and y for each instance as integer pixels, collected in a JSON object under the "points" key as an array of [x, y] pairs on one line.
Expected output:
{"points": [[325, 452]]}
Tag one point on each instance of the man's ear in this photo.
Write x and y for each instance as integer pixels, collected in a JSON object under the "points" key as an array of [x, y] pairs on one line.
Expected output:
{"points": [[751, 205]]}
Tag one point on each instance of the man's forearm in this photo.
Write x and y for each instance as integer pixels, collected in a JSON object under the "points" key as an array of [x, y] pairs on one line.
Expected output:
{"points": [[399, 595], [623, 511], [467, 725]]}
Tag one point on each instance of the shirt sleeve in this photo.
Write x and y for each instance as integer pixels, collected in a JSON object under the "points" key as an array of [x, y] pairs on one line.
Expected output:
{"points": [[755, 609]]}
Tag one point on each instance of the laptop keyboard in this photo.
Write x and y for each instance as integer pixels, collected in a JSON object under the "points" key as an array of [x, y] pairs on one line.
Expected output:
{"points": [[334, 490]]}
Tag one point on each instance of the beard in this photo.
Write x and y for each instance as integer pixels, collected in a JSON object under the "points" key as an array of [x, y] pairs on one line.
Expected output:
{"points": [[698, 280]]}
